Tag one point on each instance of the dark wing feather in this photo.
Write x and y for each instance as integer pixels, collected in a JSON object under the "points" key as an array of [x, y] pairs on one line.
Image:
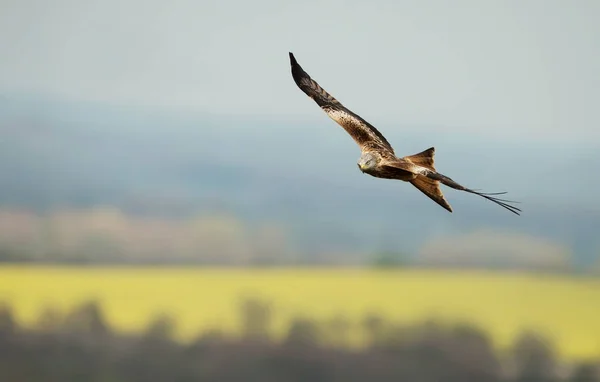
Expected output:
{"points": [[361, 131], [487, 195], [428, 181]]}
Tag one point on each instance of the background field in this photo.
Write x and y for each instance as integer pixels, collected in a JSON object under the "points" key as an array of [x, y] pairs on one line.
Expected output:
{"points": [[565, 309]]}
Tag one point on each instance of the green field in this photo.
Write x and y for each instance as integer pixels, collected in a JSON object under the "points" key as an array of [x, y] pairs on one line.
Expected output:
{"points": [[566, 309]]}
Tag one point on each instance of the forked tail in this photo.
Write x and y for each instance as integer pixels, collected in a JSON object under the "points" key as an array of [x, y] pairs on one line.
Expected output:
{"points": [[429, 187], [429, 183]]}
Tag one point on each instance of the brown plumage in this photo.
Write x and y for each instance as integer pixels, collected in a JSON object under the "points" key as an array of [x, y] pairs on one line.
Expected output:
{"points": [[377, 155]]}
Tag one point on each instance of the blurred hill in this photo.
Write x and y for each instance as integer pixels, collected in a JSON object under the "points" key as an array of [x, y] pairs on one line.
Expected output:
{"points": [[297, 175]]}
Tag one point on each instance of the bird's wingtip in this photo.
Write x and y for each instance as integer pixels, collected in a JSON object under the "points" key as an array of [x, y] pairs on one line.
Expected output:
{"points": [[293, 59]]}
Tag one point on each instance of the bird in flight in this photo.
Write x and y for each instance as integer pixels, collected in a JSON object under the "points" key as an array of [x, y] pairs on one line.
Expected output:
{"points": [[377, 155]]}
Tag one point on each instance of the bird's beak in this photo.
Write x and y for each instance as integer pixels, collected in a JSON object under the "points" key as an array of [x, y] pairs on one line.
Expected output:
{"points": [[360, 167]]}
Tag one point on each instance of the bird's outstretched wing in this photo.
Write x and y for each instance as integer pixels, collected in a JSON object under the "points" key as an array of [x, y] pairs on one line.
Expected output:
{"points": [[487, 195], [363, 133], [428, 180]]}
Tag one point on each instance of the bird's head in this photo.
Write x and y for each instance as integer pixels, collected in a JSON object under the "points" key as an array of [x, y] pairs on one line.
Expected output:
{"points": [[368, 161]]}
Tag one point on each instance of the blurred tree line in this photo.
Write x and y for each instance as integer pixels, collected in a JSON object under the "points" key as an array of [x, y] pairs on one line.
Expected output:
{"points": [[108, 235], [81, 346]]}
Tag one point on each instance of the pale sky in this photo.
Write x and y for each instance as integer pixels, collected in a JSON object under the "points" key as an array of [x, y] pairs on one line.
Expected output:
{"points": [[521, 67]]}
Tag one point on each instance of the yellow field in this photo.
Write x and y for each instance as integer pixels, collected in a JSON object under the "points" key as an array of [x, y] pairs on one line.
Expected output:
{"points": [[566, 309]]}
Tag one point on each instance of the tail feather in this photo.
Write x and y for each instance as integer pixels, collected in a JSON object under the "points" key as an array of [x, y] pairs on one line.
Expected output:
{"points": [[431, 188], [423, 159]]}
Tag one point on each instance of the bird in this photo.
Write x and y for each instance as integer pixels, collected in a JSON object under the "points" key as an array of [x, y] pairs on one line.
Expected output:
{"points": [[377, 157]]}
